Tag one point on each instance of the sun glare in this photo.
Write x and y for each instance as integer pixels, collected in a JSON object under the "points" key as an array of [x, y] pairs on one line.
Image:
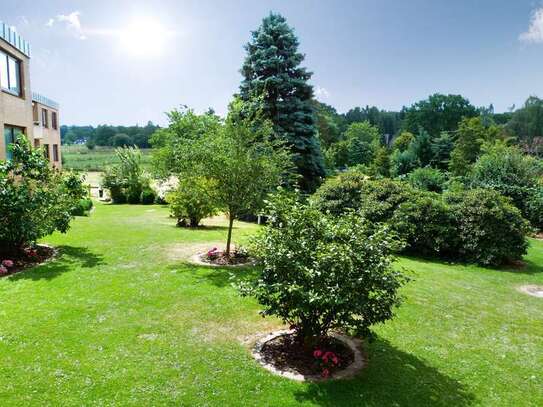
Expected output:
{"points": [[144, 37]]}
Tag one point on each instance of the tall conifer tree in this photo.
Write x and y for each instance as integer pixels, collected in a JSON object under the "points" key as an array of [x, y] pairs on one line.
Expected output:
{"points": [[278, 88]]}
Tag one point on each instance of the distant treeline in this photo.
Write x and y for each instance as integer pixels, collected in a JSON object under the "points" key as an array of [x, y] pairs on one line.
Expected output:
{"points": [[106, 135], [439, 113]]}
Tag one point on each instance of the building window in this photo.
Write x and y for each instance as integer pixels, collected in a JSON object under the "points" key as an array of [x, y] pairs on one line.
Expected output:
{"points": [[44, 118], [54, 122], [55, 152], [10, 74], [10, 136], [46, 151]]}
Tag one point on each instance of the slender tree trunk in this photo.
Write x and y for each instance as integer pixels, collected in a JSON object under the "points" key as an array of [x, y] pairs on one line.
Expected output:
{"points": [[229, 239]]}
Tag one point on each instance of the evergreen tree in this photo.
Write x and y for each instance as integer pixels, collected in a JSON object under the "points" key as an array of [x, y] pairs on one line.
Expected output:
{"points": [[276, 86]]}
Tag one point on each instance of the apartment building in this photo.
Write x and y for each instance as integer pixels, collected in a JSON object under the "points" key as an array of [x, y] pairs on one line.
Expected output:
{"points": [[21, 110]]}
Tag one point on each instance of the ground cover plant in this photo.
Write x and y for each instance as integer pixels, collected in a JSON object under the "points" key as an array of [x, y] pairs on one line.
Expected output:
{"points": [[121, 318]]}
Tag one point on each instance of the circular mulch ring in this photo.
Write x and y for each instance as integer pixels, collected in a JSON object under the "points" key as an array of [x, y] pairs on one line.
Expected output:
{"points": [[533, 290], [271, 353], [43, 254], [199, 259]]}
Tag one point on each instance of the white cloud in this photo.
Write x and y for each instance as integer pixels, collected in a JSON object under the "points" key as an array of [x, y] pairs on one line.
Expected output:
{"points": [[321, 92], [72, 23], [535, 30]]}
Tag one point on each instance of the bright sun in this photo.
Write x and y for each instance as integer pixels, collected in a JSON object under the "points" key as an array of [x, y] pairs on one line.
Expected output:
{"points": [[144, 37]]}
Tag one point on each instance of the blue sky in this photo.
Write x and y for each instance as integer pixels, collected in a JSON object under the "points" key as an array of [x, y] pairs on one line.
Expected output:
{"points": [[384, 53]]}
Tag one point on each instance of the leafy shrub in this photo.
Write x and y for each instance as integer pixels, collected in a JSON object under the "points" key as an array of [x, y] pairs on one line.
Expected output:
{"points": [[426, 224], [322, 272], [193, 200], [513, 174], [491, 231], [427, 179], [83, 207], [533, 208], [35, 200], [381, 198], [126, 180], [471, 225], [338, 194], [147, 196]]}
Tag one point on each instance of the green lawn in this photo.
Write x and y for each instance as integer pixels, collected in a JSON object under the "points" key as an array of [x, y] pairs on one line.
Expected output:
{"points": [[80, 158], [120, 319]]}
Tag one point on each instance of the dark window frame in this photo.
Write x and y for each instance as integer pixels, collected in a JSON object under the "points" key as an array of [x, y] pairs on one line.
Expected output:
{"points": [[44, 118], [18, 64], [55, 153], [46, 151], [54, 120]]}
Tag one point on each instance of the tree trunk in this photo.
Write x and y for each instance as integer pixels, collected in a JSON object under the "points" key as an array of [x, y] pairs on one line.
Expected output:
{"points": [[229, 239]]}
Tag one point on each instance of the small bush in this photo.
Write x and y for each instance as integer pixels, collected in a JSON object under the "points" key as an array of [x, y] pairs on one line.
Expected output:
{"points": [[83, 207], [147, 196], [426, 224], [427, 179], [35, 200], [322, 272], [193, 200], [340, 193], [533, 207], [126, 180], [381, 198], [491, 231]]}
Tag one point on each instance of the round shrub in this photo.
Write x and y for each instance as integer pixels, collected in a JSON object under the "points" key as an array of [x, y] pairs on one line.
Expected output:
{"points": [[35, 199], [340, 193], [533, 208], [322, 272], [117, 195], [427, 179], [193, 200], [147, 196], [426, 225], [82, 207], [381, 198], [491, 231]]}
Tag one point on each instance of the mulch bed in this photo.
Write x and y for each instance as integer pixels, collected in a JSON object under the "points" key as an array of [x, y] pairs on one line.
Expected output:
{"points": [[223, 260], [28, 258], [285, 353]]}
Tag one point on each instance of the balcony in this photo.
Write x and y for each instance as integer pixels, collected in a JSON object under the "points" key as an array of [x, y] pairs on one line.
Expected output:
{"points": [[36, 97], [11, 36]]}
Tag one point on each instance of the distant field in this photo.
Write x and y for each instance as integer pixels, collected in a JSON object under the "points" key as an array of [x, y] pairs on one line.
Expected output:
{"points": [[80, 158]]}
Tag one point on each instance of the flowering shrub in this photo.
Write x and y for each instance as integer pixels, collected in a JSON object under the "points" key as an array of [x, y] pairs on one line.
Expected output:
{"points": [[323, 272], [35, 200], [328, 361], [3, 270], [213, 254], [7, 263]]}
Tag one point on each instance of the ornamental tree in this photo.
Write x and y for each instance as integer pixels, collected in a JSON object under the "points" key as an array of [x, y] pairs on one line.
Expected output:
{"points": [[35, 199], [276, 87], [322, 273], [239, 158]]}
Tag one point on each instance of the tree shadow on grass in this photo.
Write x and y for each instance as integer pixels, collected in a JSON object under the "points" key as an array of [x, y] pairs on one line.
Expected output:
{"points": [[67, 259], [218, 276], [523, 267], [391, 378]]}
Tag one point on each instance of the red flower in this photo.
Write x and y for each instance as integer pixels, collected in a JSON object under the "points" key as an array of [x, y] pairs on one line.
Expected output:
{"points": [[317, 353], [325, 373], [7, 263]]}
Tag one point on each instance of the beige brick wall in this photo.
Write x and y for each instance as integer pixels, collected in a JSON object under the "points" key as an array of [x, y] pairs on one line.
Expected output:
{"points": [[15, 110], [47, 135]]}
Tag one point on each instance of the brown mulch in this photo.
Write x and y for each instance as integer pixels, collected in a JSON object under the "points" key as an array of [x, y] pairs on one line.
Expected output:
{"points": [[223, 260], [29, 258], [285, 353]]}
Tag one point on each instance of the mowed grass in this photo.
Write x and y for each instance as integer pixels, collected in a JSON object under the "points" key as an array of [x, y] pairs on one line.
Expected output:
{"points": [[119, 318], [80, 158]]}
